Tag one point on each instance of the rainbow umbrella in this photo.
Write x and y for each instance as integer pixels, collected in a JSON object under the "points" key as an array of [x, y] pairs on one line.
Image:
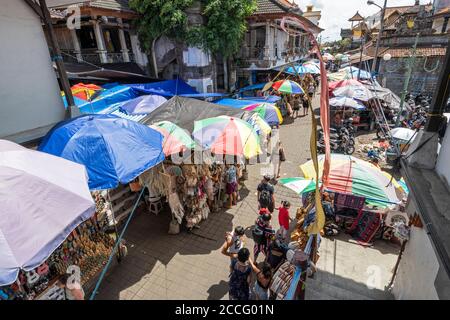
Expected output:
{"points": [[227, 136], [299, 185], [270, 113], [175, 139], [288, 86], [260, 125], [351, 175]]}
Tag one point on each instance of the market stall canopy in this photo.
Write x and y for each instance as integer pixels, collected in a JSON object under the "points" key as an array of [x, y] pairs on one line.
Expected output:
{"points": [[385, 94], [176, 139], [267, 99], [227, 136], [114, 150], [302, 69], [168, 88], [185, 111], [354, 72], [142, 105], [344, 102], [270, 113], [351, 175], [43, 199], [288, 87], [356, 92], [106, 98], [258, 86], [344, 83]]}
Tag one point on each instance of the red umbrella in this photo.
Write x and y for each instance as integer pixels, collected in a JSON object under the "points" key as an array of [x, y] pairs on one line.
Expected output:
{"points": [[344, 83]]}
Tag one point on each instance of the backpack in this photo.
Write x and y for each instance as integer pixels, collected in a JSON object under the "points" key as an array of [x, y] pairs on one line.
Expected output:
{"points": [[258, 235], [265, 199]]}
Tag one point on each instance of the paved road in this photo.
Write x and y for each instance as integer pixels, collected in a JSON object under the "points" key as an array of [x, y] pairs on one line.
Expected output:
{"points": [[190, 266]]}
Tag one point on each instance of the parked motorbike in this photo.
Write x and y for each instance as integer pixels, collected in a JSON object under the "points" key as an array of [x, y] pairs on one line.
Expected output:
{"points": [[340, 141]]}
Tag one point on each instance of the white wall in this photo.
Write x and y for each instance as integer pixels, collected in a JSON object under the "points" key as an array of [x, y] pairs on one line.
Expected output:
{"points": [[443, 161], [139, 55], [29, 92], [417, 270], [196, 57], [203, 85]]}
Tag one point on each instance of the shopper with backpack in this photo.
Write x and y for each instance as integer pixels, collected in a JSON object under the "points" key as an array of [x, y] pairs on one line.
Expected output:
{"points": [[239, 284], [266, 196], [262, 235]]}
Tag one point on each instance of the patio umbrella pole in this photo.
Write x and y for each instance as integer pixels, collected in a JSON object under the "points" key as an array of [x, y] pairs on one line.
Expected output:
{"points": [[119, 258]]}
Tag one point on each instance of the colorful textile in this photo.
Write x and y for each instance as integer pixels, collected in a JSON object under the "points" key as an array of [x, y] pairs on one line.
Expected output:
{"points": [[283, 217], [365, 226]]}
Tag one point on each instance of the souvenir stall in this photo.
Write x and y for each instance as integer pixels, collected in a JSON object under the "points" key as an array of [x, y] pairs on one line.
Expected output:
{"points": [[50, 223], [87, 247], [191, 191]]}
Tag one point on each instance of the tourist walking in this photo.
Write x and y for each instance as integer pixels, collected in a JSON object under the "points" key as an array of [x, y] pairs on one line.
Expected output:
{"points": [[264, 274], [262, 235], [265, 195], [234, 241], [305, 102], [232, 185], [239, 284], [284, 219], [296, 106], [280, 157]]}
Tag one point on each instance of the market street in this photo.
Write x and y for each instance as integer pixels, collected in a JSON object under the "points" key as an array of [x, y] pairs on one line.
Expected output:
{"points": [[190, 266]]}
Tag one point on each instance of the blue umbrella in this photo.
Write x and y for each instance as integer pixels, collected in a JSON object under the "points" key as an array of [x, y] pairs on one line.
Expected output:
{"points": [[143, 104], [114, 150]]}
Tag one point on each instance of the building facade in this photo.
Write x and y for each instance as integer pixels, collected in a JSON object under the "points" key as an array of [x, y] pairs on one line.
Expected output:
{"points": [[266, 45]]}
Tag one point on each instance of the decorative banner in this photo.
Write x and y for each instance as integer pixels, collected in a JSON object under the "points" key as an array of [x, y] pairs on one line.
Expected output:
{"points": [[325, 123]]}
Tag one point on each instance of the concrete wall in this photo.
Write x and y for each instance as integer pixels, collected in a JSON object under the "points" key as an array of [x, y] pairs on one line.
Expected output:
{"points": [[393, 73], [29, 92], [442, 165], [417, 270]]}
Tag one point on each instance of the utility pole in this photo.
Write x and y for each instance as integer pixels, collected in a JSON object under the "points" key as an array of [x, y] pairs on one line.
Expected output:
{"points": [[57, 58], [377, 49], [411, 62]]}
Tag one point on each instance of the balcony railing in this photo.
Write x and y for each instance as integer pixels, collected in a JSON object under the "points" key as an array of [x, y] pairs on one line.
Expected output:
{"points": [[94, 58]]}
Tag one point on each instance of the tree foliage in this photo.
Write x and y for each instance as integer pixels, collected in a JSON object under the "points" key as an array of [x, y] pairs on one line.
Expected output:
{"points": [[225, 26], [160, 17], [222, 32]]}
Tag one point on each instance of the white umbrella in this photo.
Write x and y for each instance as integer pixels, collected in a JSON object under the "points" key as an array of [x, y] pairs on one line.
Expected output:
{"points": [[404, 134], [43, 198], [346, 102]]}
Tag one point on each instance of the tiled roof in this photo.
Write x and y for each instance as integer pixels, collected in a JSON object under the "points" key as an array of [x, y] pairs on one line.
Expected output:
{"points": [[275, 6], [422, 52], [116, 5], [356, 17]]}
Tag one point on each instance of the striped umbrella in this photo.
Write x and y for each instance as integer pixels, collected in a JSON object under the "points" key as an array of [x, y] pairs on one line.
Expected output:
{"points": [[85, 91], [175, 140], [299, 185], [288, 86], [227, 136], [351, 175], [269, 112], [260, 125]]}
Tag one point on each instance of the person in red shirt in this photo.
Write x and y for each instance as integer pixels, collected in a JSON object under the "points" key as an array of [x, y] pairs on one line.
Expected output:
{"points": [[284, 219]]}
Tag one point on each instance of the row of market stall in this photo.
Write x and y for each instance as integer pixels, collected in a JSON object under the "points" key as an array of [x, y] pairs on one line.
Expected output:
{"points": [[65, 202]]}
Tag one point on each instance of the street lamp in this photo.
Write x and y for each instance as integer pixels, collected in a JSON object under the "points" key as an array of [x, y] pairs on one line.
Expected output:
{"points": [[383, 11]]}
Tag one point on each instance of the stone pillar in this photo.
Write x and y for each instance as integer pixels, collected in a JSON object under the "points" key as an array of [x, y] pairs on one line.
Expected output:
{"points": [[252, 42], [100, 42], [267, 44], [123, 43], [76, 45]]}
